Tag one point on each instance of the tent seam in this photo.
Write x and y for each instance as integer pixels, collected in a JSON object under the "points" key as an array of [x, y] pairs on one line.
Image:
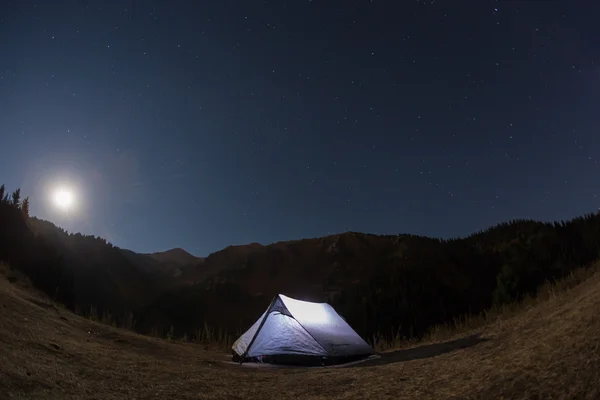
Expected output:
{"points": [[260, 327], [310, 334], [305, 330]]}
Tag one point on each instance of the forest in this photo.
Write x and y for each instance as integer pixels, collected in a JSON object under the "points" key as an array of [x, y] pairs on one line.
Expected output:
{"points": [[392, 285]]}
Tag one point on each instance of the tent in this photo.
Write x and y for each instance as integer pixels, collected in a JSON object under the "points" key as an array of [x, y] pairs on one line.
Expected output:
{"points": [[292, 331]]}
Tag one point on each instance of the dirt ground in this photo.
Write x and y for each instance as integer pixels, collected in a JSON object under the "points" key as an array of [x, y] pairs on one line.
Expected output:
{"points": [[550, 351]]}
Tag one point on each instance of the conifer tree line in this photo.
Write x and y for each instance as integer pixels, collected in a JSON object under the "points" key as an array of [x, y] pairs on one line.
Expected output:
{"points": [[400, 285], [436, 281], [32, 254], [391, 285], [14, 200], [71, 268]]}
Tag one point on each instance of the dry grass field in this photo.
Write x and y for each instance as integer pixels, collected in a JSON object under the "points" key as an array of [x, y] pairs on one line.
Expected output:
{"points": [[548, 347]]}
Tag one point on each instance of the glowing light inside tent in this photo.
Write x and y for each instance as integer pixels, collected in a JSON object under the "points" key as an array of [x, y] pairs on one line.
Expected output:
{"points": [[315, 313]]}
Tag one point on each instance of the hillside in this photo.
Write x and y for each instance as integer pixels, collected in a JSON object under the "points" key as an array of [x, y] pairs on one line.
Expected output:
{"points": [[384, 285], [87, 273], [101, 275], [176, 256], [548, 349], [112, 279], [173, 267]]}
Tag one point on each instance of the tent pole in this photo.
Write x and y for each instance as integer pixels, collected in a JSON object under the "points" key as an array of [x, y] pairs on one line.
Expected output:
{"points": [[259, 328]]}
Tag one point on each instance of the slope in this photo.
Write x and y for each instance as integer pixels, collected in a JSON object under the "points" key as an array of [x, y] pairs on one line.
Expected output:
{"points": [[176, 256], [102, 276], [548, 350], [382, 284], [171, 263]]}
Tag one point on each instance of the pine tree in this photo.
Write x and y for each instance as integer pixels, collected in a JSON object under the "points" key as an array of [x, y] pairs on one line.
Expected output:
{"points": [[2, 190], [25, 207], [16, 198]]}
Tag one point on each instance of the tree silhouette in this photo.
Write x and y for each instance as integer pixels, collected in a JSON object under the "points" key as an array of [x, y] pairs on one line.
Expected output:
{"points": [[25, 207], [16, 198], [384, 285], [30, 253]]}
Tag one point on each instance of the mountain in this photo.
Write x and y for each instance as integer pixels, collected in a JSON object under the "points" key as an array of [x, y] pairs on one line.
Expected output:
{"points": [[101, 275], [115, 280], [384, 285], [177, 256], [546, 348], [171, 262]]}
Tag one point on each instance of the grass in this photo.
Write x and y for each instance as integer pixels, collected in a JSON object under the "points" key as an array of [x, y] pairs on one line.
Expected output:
{"points": [[207, 336], [220, 340], [547, 346], [499, 314], [496, 314]]}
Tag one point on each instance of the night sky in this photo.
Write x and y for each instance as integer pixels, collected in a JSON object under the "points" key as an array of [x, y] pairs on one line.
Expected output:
{"points": [[201, 124]]}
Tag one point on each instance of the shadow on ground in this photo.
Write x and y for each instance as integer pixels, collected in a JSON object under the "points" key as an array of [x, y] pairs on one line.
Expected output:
{"points": [[425, 351], [414, 353]]}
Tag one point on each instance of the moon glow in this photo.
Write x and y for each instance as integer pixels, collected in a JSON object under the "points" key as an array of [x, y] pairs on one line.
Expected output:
{"points": [[63, 199]]}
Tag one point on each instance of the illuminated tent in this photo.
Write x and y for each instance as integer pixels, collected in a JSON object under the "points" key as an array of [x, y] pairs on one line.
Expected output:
{"points": [[292, 331]]}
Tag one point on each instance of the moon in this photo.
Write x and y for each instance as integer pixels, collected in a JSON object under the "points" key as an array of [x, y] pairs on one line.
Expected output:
{"points": [[64, 199]]}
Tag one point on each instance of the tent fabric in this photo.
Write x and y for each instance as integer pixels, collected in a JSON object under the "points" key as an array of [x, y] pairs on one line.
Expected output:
{"points": [[295, 327], [326, 326], [243, 341], [283, 334]]}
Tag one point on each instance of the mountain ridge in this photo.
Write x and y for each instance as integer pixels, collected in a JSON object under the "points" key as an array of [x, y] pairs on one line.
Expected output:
{"points": [[384, 285], [176, 255], [362, 273]]}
